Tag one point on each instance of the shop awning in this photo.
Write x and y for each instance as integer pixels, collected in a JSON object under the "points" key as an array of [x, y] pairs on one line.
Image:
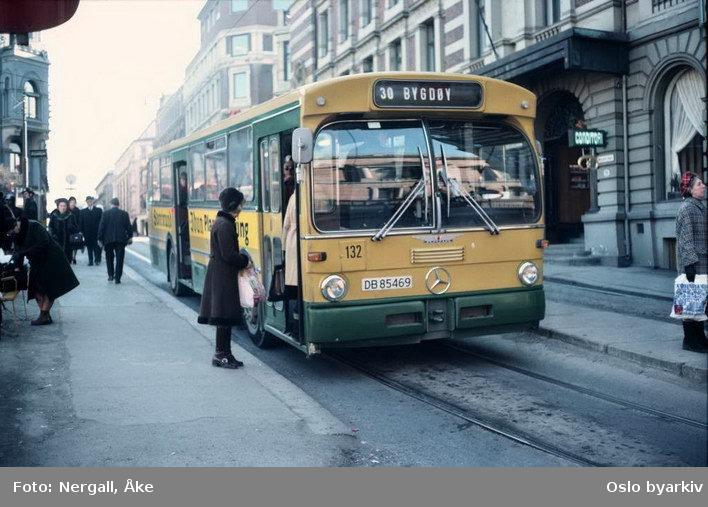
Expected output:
{"points": [[573, 49]]}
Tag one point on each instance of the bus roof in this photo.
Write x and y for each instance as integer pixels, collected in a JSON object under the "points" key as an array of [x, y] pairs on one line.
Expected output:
{"points": [[353, 94]]}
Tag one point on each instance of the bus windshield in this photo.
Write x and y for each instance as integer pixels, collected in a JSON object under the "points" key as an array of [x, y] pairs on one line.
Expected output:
{"points": [[493, 164], [363, 171]]}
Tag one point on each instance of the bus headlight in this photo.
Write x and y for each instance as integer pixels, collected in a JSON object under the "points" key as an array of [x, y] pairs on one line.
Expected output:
{"points": [[334, 287], [528, 273]]}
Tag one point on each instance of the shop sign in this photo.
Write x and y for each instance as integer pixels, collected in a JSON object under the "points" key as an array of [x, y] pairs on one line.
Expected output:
{"points": [[587, 137]]}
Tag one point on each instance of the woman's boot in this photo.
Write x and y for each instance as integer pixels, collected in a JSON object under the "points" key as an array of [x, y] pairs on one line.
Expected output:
{"points": [[43, 319], [694, 338]]}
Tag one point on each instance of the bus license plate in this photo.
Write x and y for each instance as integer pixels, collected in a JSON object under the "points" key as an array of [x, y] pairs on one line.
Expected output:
{"points": [[387, 283]]}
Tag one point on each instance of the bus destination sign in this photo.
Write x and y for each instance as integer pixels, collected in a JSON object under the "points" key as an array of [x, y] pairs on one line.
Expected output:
{"points": [[587, 137], [427, 94]]}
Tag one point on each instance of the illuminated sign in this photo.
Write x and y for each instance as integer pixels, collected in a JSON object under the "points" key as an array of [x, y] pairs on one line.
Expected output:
{"points": [[427, 94]]}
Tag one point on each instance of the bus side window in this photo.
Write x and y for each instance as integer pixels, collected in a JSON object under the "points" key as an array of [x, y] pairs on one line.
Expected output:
{"points": [[241, 176], [264, 166], [274, 172]]}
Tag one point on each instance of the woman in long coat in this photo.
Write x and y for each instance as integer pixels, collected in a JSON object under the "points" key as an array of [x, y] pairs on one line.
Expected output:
{"points": [[50, 274], [76, 213], [290, 242], [220, 305], [692, 255], [62, 225]]}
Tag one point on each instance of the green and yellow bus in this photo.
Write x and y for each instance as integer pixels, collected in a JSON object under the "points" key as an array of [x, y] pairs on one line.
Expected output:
{"points": [[419, 205]]}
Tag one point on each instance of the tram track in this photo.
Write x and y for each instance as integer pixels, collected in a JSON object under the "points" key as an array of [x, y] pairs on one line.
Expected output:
{"points": [[465, 414], [583, 390]]}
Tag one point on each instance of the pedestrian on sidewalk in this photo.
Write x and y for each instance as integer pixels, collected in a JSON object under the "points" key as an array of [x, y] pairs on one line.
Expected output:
{"points": [[62, 225], [114, 233], [220, 299], [691, 252], [50, 274], [29, 208], [74, 210], [90, 218]]}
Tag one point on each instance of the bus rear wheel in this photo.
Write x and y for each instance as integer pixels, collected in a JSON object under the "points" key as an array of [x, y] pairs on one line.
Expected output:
{"points": [[178, 289], [252, 318]]}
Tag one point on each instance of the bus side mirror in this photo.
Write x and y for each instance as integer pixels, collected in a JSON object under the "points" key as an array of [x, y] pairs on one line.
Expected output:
{"points": [[302, 145]]}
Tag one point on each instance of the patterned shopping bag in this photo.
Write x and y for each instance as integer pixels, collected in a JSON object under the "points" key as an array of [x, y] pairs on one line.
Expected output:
{"points": [[690, 298]]}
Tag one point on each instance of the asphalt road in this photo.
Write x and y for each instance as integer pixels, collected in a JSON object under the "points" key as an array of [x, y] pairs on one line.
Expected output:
{"points": [[397, 429]]}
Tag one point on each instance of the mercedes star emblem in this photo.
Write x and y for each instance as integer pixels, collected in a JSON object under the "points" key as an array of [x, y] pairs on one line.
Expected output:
{"points": [[438, 280]]}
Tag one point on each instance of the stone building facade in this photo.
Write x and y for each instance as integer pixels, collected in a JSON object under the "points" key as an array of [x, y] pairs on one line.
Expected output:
{"points": [[633, 68], [24, 90], [234, 68], [169, 120], [129, 179]]}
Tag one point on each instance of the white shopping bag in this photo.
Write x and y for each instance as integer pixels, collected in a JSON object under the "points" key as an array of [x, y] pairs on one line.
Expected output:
{"points": [[690, 298], [250, 288]]}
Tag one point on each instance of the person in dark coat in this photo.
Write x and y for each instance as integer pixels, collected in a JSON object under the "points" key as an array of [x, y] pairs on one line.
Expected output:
{"points": [[220, 305], [62, 225], [115, 232], [50, 274], [74, 210], [29, 208], [691, 249], [90, 218]]}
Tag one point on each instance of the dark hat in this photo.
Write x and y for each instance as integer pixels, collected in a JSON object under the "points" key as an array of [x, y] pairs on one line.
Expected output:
{"points": [[61, 200], [230, 199], [72, 198], [29, 190], [687, 180], [90, 197], [115, 202]]}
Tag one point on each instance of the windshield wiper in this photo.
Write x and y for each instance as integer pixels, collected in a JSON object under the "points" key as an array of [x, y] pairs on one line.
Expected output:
{"points": [[405, 204], [453, 184]]}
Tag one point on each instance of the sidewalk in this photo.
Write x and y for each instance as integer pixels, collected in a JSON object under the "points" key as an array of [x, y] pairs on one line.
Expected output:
{"points": [[124, 378], [634, 281], [648, 343]]}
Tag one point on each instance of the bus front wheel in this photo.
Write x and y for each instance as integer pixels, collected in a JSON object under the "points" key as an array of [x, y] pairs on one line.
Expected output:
{"points": [[252, 318]]}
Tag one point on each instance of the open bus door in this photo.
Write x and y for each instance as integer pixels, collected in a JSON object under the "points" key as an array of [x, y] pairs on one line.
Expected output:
{"points": [[180, 268]]}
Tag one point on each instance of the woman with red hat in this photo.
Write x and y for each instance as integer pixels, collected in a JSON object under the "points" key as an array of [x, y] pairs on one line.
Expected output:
{"points": [[692, 255]]}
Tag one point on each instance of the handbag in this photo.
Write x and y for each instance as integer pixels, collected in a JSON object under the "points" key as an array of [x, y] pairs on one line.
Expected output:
{"points": [[12, 279], [690, 298], [277, 284], [77, 240]]}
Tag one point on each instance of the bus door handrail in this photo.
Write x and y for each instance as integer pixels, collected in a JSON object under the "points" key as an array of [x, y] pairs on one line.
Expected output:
{"points": [[452, 183], [425, 179]]}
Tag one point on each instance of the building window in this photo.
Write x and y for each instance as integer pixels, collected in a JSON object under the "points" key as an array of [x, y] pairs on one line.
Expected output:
{"points": [[239, 5], [282, 5], [323, 34], [366, 11], [239, 44], [394, 55], [427, 33], [240, 85], [286, 61], [30, 100], [343, 20], [367, 65], [552, 12], [267, 42], [684, 129]]}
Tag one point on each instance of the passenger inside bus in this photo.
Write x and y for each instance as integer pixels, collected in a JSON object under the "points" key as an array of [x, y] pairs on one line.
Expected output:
{"points": [[183, 201]]}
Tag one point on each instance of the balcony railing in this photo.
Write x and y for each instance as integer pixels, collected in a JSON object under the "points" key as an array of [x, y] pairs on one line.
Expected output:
{"points": [[660, 5]]}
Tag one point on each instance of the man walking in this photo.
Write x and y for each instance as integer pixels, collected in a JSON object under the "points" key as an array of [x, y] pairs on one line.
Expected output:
{"points": [[115, 232], [29, 208], [90, 218]]}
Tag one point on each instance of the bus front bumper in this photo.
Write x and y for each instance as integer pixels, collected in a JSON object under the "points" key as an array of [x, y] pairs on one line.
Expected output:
{"points": [[414, 320]]}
